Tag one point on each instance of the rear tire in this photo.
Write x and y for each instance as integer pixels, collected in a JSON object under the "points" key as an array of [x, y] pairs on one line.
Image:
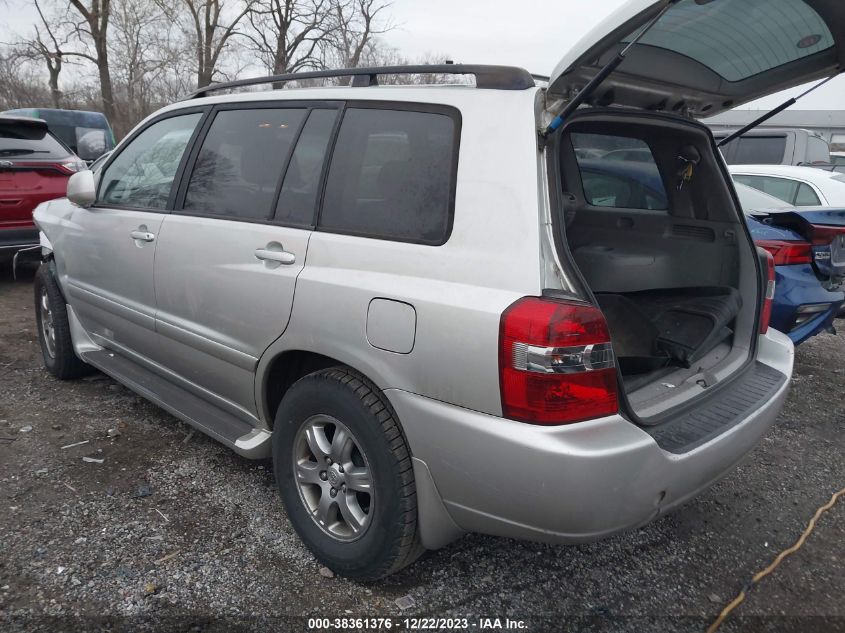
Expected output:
{"points": [[361, 520], [54, 329]]}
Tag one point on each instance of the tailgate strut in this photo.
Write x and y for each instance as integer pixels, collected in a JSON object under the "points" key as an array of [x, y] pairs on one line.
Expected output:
{"points": [[777, 110], [596, 81]]}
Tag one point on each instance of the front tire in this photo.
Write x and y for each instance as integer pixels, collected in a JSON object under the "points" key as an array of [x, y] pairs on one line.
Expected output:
{"points": [[54, 329], [345, 475]]}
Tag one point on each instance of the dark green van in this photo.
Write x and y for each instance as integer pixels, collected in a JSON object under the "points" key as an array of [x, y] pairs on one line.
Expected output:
{"points": [[88, 134]]}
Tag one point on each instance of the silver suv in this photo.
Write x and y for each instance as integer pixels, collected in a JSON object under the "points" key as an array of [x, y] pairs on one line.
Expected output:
{"points": [[449, 309]]}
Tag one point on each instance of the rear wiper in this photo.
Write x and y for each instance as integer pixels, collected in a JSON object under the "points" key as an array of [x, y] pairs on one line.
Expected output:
{"points": [[777, 110], [594, 83]]}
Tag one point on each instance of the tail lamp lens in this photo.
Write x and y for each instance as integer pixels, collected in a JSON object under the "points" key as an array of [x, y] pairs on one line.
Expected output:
{"points": [[556, 363], [768, 299], [786, 253]]}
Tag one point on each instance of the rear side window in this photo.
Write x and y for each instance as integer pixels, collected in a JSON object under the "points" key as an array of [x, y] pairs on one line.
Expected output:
{"points": [[17, 142], [806, 197], [239, 166], [392, 175], [756, 150], [818, 151], [619, 172], [782, 188], [141, 175]]}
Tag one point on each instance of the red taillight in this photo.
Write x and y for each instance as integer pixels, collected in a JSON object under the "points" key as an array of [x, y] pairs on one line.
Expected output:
{"points": [[824, 235], [67, 167], [556, 363], [786, 252], [768, 298]]}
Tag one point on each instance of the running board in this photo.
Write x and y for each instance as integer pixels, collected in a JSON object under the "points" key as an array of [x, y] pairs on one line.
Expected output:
{"points": [[242, 437]]}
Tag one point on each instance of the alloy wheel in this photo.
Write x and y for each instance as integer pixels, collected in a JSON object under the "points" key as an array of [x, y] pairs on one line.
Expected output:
{"points": [[333, 478]]}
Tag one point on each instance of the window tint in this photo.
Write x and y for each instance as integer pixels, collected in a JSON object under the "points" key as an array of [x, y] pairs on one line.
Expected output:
{"points": [[21, 142], [806, 197], [142, 174], [302, 179], [618, 172], [778, 187], [391, 175], [756, 150], [240, 164], [712, 33]]}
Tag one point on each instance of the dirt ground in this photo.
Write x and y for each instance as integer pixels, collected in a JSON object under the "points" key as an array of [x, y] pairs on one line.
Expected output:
{"points": [[174, 532]]}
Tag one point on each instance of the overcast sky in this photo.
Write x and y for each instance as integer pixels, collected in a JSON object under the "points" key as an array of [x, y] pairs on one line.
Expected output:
{"points": [[533, 34], [530, 33]]}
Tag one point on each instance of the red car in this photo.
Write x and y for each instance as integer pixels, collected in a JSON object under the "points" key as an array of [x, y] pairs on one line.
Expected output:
{"points": [[34, 167]]}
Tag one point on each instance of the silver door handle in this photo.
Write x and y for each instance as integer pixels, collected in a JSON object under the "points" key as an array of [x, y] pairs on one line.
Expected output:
{"points": [[282, 257], [142, 236]]}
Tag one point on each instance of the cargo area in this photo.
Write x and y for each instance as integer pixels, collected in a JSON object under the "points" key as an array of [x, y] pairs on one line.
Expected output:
{"points": [[654, 230]]}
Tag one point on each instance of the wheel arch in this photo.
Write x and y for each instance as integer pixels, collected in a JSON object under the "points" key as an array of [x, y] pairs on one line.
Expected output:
{"points": [[278, 372]]}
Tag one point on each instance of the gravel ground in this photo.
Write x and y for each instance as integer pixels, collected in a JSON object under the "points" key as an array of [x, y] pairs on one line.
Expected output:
{"points": [[174, 532]]}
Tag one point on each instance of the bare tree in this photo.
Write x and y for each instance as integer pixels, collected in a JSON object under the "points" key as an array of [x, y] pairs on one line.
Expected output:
{"points": [[287, 34], [50, 52], [21, 85], [141, 54], [357, 24], [212, 31], [93, 29]]}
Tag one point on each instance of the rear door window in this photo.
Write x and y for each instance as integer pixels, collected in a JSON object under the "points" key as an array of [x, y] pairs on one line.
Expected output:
{"points": [[141, 175], [782, 188], [239, 167], [392, 175], [619, 172], [298, 198]]}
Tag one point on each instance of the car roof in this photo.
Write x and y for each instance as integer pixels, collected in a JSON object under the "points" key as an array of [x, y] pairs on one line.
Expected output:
{"points": [[786, 171], [722, 129]]}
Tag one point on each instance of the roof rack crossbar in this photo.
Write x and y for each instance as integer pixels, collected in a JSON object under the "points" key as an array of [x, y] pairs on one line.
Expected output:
{"points": [[492, 77]]}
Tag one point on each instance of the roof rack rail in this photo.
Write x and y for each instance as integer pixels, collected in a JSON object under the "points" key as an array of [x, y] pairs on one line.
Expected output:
{"points": [[493, 77]]}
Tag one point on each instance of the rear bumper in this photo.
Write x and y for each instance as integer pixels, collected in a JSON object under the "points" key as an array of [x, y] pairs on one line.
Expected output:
{"points": [[797, 286], [12, 240], [572, 483]]}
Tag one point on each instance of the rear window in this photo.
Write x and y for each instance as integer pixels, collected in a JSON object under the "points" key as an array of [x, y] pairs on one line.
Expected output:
{"points": [[619, 172], [756, 150], [774, 33], [14, 142], [806, 197], [392, 175]]}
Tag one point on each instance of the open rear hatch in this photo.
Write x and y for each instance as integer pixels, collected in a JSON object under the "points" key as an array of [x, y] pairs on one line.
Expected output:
{"points": [[704, 56], [672, 266]]}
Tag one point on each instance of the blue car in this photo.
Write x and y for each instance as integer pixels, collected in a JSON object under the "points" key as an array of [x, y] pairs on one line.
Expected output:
{"points": [[808, 245]]}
